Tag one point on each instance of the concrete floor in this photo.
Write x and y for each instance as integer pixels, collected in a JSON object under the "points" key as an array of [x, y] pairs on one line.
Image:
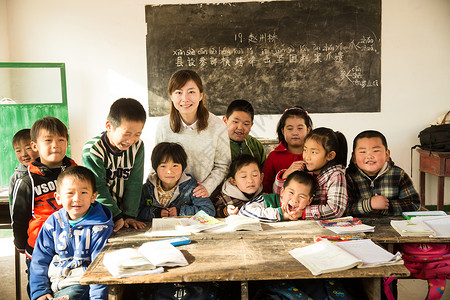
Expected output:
{"points": [[408, 289]]}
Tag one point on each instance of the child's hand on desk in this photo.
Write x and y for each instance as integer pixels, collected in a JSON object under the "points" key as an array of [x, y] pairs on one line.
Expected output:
{"points": [[118, 225], [232, 210], [169, 212], [379, 202], [133, 223]]}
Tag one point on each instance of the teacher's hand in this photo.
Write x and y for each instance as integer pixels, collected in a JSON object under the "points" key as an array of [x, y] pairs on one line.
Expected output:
{"points": [[200, 191]]}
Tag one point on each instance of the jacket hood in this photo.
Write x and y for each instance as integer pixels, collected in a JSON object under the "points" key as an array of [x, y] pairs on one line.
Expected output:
{"points": [[234, 192]]}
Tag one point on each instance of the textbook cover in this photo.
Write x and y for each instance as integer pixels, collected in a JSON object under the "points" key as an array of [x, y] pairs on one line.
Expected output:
{"points": [[345, 225], [426, 213], [201, 221]]}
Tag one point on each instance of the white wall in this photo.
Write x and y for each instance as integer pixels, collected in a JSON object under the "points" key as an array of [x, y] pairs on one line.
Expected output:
{"points": [[102, 43]]}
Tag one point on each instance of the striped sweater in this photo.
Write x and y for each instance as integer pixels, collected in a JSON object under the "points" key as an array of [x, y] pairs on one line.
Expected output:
{"points": [[119, 175]]}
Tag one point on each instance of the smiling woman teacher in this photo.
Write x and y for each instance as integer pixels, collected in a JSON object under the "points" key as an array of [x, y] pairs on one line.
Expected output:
{"points": [[203, 135]]}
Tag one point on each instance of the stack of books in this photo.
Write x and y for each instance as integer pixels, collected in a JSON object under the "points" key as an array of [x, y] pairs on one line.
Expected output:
{"points": [[434, 224]]}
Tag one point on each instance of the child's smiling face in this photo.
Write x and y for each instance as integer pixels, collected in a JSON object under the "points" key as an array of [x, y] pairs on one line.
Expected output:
{"points": [[370, 155], [239, 124], [76, 196], [296, 195], [169, 173], [125, 135], [24, 152]]}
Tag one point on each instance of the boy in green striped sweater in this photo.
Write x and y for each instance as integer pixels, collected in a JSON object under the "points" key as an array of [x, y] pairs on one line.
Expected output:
{"points": [[116, 157]]}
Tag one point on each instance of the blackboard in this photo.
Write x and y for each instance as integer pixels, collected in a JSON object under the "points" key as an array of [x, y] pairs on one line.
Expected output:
{"points": [[321, 54]]}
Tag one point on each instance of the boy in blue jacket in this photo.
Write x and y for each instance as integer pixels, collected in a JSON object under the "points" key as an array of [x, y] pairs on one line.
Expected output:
{"points": [[70, 239], [168, 191]]}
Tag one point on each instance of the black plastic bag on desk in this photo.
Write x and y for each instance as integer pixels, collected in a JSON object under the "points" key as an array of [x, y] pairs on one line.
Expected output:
{"points": [[436, 137]]}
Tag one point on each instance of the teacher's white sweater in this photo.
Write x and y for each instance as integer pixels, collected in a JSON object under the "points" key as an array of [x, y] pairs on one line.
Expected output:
{"points": [[208, 152]]}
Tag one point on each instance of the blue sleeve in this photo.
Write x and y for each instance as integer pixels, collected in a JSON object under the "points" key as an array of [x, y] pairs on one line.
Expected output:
{"points": [[99, 239], [43, 253], [148, 208], [196, 204], [190, 204]]}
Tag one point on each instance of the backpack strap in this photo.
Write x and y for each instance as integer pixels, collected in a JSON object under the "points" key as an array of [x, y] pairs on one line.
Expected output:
{"points": [[387, 288]]}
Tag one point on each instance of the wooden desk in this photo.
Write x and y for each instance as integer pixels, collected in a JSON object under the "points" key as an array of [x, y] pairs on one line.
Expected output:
{"points": [[251, 256], [438, 164]]}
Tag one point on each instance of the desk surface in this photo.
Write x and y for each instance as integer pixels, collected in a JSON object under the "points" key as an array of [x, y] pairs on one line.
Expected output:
{"points": [[242, 260], [303, 230], [251, 256]]}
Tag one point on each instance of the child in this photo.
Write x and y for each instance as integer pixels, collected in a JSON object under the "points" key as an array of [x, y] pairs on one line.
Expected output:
{"points": [[325, 155], [375, 185], [292, 128], [25, 155], [239, 121], [70, 240], [116, 157], [291, 204], [33, 195], [203, 136], [244, 185], [168, 191]]}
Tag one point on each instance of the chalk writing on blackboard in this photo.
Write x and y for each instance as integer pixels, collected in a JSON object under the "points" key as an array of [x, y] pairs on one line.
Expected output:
{"points": [[322, 54], [268, 53]]}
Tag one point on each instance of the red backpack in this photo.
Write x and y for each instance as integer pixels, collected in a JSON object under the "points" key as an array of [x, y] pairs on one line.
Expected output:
{"points": [[424, 261], [427, 261]]}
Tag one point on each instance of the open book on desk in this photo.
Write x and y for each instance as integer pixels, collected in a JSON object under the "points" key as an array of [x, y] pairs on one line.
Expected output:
{"points": [[201, 221], [236, 222], [326, 257], [346, 225], [150, 258], [427, 226], [162, 227]]}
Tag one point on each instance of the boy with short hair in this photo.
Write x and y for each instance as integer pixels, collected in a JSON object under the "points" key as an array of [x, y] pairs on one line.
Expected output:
{"points": [[239, 121], [25, 154], [375, 185], [33, 195], [70, 240], [244, 185], [296, 194], [116, 157]]}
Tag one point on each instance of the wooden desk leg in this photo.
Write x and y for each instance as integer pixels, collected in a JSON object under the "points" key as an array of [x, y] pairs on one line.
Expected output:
{"points": [[17, 270], [373, 286], [115, 292], [244, 290], [440, 205], [422, 189]]}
